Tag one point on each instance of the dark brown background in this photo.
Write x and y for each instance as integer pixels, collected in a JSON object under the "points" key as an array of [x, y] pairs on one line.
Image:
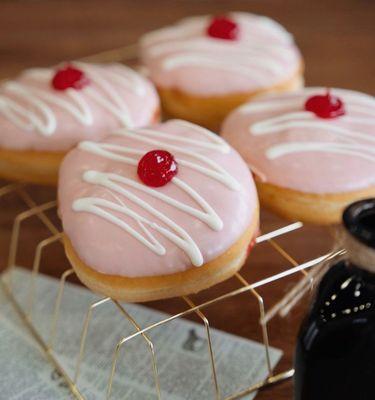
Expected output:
{"points": [[337, 40]]}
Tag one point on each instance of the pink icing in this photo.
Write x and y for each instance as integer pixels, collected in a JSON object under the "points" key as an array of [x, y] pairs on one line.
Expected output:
{"points": [[124, 91], [184, 57], [287, 146], [108, 248]]}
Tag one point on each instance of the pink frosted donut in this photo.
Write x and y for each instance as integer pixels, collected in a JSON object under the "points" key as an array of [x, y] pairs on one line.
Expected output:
{"points": [[189, 60], [39, 121], [311, 158], [136, 242]]}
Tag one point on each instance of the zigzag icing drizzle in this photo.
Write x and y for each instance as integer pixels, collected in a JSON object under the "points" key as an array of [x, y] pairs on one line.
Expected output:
{"points": [[120, 186], [261, 52], [350, 142], [104, 92]]}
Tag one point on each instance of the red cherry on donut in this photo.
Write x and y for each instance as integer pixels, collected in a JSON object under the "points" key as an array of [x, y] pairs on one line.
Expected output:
{"points": [[223, 28], [325, 106], [157, 167], [69, 77]]}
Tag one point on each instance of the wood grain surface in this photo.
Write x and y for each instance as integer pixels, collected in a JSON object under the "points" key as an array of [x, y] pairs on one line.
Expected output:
{"points": [[337, 40]]}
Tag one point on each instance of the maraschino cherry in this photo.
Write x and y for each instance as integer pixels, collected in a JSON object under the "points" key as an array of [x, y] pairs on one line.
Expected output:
{"points": [[69, 77], [325, 106], [223, 28], [157, 167]]}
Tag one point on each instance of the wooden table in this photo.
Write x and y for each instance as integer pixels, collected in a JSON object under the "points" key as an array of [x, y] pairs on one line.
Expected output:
{"points": [[337, 40]]}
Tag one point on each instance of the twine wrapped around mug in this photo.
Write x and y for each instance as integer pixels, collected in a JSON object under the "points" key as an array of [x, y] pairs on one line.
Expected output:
{"points": [[346, 245], [306, 284], [358, 253]]}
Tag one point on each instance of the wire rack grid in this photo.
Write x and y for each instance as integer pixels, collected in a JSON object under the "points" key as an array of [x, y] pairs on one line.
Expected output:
{"points": [[56, 235]]}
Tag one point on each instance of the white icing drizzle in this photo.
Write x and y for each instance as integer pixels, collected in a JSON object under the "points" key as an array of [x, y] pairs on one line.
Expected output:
{"points": [[216, 171], [260, 58], [33, 112], [200, 45], [354, 149], [190, 26], [121, 186], [95, 205], [45, 124], [224, 63], [354, 143], [304, 120], [354, 101], [262, 51]]}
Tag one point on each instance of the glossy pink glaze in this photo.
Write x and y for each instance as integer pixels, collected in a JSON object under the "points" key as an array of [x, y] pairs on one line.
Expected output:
{"points": [[109, 249], [260, 39], [321, 170], [142, 108]]}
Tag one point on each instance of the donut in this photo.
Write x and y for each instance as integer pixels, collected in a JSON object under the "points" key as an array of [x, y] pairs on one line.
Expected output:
{"points": [[206, 66], [45, 112], [159, 212], [312, 151]]}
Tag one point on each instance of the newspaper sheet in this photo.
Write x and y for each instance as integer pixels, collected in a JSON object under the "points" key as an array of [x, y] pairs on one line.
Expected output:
{"points": [[181, 350]]}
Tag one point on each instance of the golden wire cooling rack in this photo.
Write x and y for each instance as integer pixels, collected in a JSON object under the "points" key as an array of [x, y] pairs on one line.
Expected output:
{"points": [[40, 211]]}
